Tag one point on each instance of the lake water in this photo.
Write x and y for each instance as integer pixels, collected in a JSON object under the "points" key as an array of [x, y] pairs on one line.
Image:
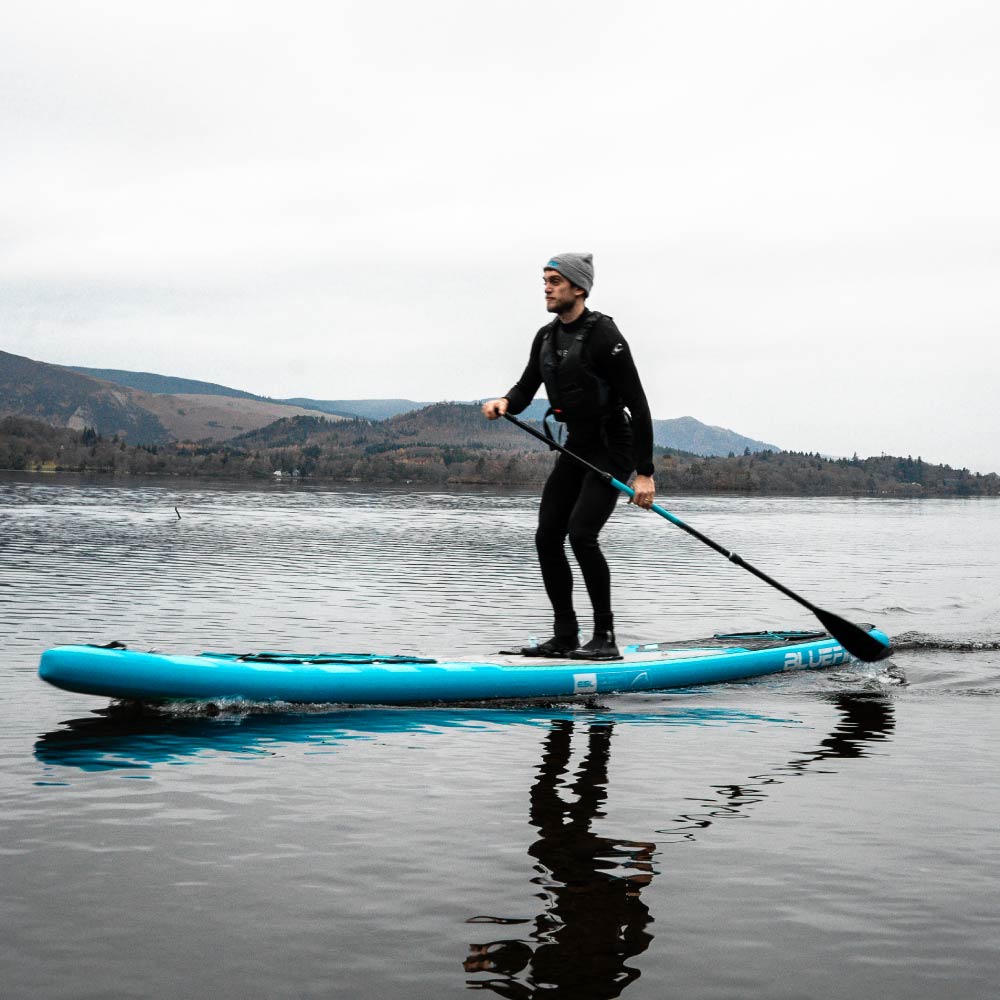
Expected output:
{"points": [[812, 835]]}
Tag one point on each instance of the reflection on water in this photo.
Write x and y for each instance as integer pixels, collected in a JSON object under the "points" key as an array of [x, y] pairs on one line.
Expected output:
{"points": [[593, 921], [124, 737], [863, 720], [340, 853], [593, 918]]}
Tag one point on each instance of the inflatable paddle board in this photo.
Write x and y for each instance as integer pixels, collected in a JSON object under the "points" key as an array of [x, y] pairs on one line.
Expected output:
{"points": [[394, 679]]}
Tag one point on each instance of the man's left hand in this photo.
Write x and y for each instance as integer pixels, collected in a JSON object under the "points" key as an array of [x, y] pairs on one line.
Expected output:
{"points": [[645, 489]]}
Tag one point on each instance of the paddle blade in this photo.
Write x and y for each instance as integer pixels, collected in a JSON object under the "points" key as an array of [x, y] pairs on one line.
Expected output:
{"points": [[853, 638]]}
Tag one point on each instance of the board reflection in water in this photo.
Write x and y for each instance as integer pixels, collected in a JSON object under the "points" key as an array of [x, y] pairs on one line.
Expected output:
{"points": [[594, 919]]}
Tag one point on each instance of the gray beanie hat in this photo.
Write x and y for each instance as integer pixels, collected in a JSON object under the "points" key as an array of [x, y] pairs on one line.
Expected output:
{"points": [[577, 267]]}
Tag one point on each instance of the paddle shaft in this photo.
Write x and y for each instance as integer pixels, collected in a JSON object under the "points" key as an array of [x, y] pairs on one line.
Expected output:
{"points": [[733, 557]]}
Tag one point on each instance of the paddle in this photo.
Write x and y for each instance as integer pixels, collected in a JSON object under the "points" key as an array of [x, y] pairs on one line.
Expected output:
{"points": [[852, 637]]}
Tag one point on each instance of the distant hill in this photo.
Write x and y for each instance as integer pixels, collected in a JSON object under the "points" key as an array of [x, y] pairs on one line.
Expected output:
{"points": [[688, 434], [684, 434], [63, 397], [200, 416], [150, 382], [367, 409], [190, 417], [440, 425], [461, 426]]}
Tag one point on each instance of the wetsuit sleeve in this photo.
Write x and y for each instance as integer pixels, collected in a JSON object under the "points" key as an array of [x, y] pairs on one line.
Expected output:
{"points": [[520, 395], [613, 359]]}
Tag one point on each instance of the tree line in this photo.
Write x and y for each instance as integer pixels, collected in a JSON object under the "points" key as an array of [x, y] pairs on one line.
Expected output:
{"points": [[409, 451]]}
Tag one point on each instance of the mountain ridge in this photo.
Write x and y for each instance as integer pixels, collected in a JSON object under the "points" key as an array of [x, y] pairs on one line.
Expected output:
{"points": [[685, 433], [67, 397]]}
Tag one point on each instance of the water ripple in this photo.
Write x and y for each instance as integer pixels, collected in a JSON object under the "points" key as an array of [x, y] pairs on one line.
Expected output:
{"points": [[809, 834]]}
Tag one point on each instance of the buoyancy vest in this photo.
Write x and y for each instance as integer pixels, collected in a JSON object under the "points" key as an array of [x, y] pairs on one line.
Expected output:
{"points": [[577, 394]]}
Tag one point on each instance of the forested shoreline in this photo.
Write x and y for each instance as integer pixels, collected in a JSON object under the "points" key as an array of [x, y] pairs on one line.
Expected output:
{"points": [[435, 450]]}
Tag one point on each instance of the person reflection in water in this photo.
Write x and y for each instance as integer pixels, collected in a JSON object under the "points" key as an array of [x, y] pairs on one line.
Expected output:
{"points": [[594, 919]]}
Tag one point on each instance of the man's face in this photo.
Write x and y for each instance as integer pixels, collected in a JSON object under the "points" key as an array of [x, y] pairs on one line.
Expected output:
{"points": [[560, 293]]}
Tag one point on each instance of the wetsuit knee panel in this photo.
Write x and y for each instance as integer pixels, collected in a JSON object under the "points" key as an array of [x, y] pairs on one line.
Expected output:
{"points": [[549, 540], [583, 540]]}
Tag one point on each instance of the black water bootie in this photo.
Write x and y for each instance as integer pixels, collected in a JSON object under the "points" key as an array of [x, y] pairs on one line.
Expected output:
{"points": [[557, 646], [601, 647]]}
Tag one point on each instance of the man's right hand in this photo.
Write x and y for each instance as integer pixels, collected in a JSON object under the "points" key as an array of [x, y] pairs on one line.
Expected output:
{"points": [[495, 408]]}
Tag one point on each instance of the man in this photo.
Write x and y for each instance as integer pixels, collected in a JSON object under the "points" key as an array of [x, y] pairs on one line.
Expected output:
{"points": [[590, 380]]}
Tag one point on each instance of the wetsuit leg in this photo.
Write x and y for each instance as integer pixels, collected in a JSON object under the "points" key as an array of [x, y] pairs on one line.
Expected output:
{"points": [[576, 503], [559, 496], [594, 505]]}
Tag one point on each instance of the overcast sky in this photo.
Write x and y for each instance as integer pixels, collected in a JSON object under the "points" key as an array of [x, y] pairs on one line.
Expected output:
{"points": [[793, 206]]}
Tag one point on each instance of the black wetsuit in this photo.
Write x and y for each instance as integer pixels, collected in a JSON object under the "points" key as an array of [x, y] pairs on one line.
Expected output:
{"points": [[575, 502]]}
